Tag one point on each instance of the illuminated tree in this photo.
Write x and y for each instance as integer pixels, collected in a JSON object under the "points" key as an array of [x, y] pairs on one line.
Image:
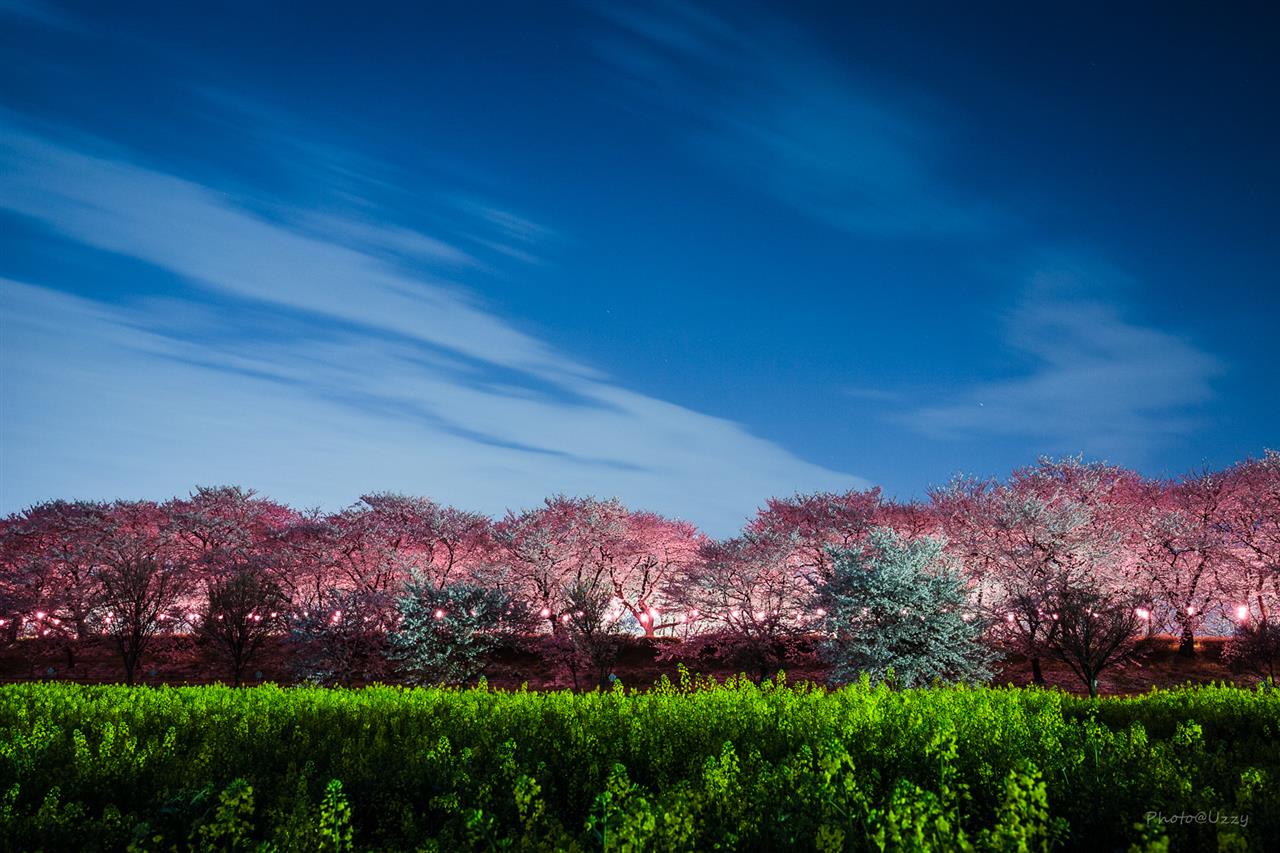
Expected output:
{"points": [[755, 605], [1185, 551], [809, 525], [1252, 517], [1095, 629], [897, 610], [548, 550], [640, 564], [1052, 525], [142, 576], [335, 641], [53, 553], [448, 634], [1255, 648], [244, 607]]}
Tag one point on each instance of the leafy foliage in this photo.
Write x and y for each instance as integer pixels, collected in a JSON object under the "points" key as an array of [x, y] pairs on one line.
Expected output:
{"points": [[693, 765], [447, 633], [897, 610]]}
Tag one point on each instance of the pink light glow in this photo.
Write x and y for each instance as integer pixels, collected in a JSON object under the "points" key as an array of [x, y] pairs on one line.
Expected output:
{"points": [[545, 612], [1191, 611], [39, 614], [1242, 612], [1142, 613], [821, 611], [439, 613], [644, 617]]}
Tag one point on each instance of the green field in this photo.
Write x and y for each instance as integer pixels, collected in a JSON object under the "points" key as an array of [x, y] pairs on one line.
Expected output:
{"points": [[681, 767]]}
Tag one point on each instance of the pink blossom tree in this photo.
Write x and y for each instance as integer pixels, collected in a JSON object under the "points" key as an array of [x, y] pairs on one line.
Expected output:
{"points": [[1185, 552], [143, 578], [1252, 516]]}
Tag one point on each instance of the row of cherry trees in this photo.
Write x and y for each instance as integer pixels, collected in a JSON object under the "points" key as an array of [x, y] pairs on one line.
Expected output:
{"points": [[1195, 553]]}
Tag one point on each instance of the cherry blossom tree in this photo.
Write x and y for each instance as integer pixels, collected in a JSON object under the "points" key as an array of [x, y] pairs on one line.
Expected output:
{"points": [[1185, 552], [550, 549], [1252, 516], [1095, 629], [754, 603], [641, 563], [244, 607], [1050, 527], [143, 578], [812, 524], [52, 553], [378, 544]]}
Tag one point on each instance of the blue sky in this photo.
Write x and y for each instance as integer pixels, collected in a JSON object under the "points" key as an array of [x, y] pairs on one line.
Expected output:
{"points": [[692, 256]]}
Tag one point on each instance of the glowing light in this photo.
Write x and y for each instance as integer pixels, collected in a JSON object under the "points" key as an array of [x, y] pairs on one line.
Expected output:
{"points": [[544, 612], [39, 614], [1142, 613], [644, 617], [564, 618], [439, 613], [1191, 611], [1242, 612], [821, 611], [684, 617]]}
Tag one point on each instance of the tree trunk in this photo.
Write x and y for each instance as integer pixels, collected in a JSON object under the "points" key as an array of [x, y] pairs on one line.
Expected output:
{"points": [[1037, 675], [1187, 643], [1093, 686]]}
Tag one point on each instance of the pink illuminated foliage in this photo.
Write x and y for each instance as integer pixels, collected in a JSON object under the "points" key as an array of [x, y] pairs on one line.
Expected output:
{"points": [[144, 578], [1196, 554], [1185, 552]]}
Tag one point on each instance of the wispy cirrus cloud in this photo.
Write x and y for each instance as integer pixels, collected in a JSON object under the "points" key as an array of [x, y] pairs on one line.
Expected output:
{"points": [[1083, 374], [764, 102], [309, 363]]}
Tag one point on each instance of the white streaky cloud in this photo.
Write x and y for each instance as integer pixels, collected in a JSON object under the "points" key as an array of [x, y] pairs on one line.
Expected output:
{"points": [[379, 379], [365, 235], [1093, 378], [200, 234]]}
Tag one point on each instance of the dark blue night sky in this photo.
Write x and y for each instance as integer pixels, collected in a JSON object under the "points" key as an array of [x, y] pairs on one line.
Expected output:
{"points": [[691, 256]]}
